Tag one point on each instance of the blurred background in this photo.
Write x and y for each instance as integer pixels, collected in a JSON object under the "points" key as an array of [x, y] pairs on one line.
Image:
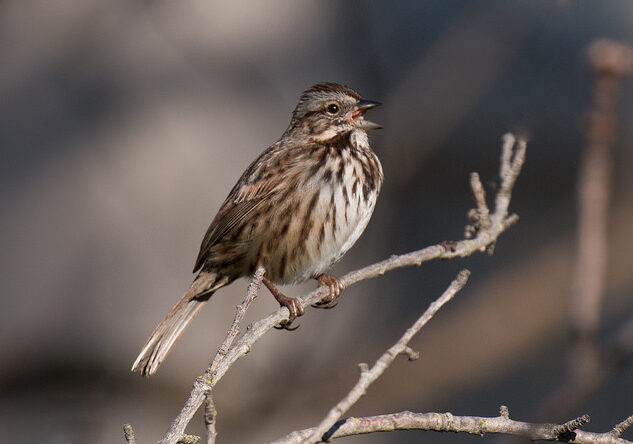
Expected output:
{"points": [[124, 124]]}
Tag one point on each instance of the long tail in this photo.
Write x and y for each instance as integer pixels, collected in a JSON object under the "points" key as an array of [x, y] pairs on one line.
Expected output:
{"points": [[169, 330]]}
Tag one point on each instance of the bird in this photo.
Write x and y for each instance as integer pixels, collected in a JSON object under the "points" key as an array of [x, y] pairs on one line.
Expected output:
{"points": [[295, 211]]}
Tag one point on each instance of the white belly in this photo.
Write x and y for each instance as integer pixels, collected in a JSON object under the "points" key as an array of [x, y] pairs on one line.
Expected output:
{"points": [[350, 212]]}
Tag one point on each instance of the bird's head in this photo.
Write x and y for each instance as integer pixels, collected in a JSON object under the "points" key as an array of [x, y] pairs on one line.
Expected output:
{"points": [[327, 110]]}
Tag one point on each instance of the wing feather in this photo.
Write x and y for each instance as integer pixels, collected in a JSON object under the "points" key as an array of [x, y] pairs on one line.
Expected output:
{"points": [[233, 211], [248, 195]]}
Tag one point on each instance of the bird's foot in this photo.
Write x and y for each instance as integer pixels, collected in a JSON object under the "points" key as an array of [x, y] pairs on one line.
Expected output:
{"points": [[292, 304], [335, 286]]}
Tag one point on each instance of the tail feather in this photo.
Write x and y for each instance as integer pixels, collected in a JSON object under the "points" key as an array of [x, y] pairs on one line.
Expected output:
{"points": [[177, 320]]}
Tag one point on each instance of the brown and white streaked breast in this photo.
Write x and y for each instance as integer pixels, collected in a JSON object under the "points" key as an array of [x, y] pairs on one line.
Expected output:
{"points": [[341, 192]]}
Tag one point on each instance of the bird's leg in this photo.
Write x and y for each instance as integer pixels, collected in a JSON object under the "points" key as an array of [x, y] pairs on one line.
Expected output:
{"points": [[335, 287], [292, 304]]}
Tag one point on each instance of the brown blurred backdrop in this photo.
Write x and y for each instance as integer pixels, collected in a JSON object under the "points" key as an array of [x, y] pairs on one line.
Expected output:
{"points": [[124, 124]]}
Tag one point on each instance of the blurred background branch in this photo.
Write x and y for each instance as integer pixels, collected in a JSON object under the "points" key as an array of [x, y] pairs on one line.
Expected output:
{"points": [[590, 364]]}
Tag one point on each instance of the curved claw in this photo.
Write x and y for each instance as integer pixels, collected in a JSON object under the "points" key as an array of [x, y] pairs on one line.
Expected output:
{"points": [[286, 327], [335, 286], [292, 304], [325, 306], [295, 309], [330, 305]]}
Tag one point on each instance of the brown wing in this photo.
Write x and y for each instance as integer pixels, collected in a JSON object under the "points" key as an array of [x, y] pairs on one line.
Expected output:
{"points": [[241, 202], [256, 186]]}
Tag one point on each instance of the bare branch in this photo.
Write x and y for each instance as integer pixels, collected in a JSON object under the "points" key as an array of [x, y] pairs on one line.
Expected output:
{"points": [[251, 294], [480, 216], [411, 354], [368, 376], [210, 414], [446, 422], [189, 439], [621, 427], [203, 384], [128, 431], [512, 158], [563, 432], [500, 221]]}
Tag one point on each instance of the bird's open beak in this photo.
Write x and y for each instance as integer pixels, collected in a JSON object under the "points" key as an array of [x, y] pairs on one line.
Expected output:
{"points": [[358, 115]]}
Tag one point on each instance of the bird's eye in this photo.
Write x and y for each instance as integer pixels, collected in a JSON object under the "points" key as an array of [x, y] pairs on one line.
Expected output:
{"points": [[333, 108]]}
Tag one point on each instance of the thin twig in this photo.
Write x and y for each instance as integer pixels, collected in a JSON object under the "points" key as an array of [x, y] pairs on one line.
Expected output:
{"points": [[563, 432], [446, 422], [512, 160], [210, 414], [621, 427], [128, 431], [202, 386], [251, 294], [189, 439], [480, 198], [479, 216], [368, 376]]}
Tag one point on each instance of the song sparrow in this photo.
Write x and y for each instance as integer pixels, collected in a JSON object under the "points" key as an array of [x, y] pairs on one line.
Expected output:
{"points": [[295, 211]]}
